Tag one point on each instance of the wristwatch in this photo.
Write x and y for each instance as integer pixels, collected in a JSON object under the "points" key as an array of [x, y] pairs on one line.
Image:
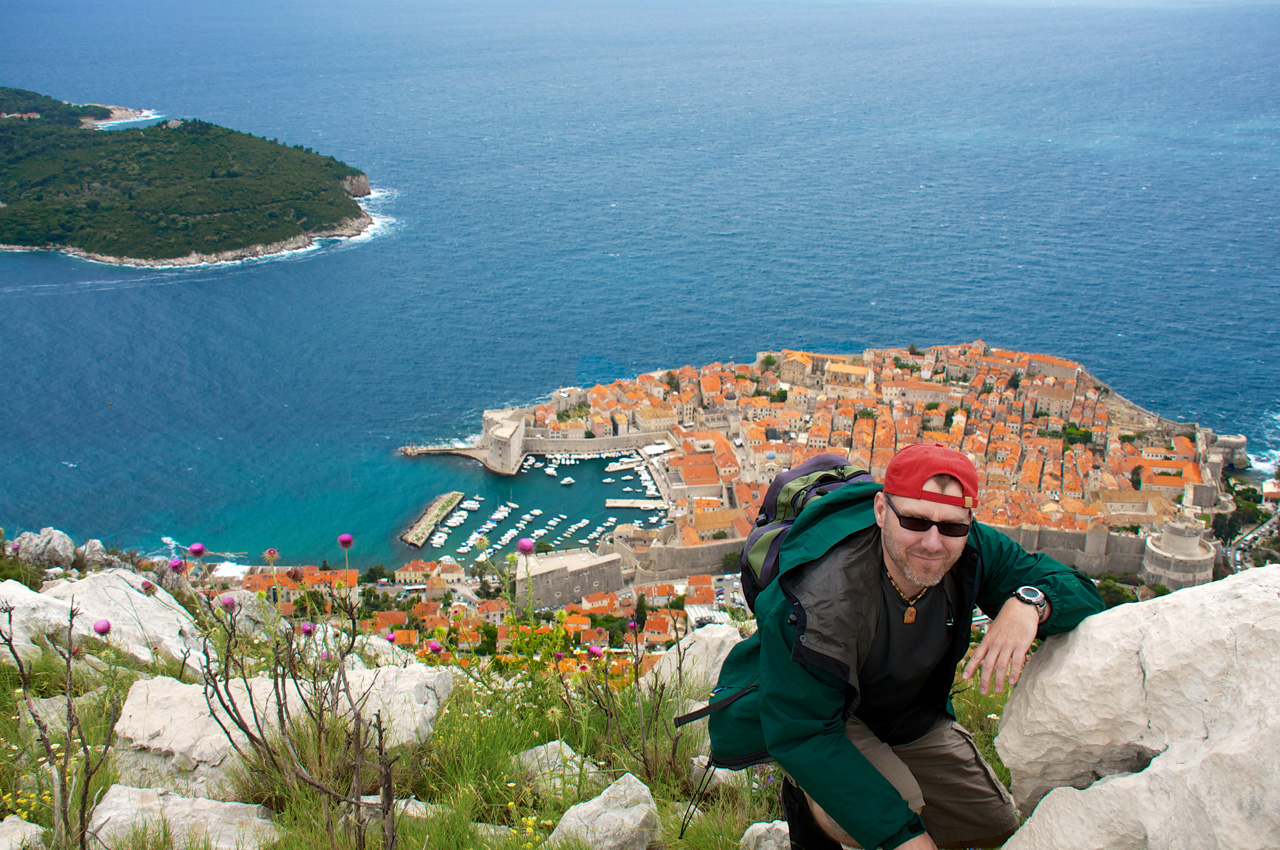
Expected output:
{"points": [[1033, 596]]}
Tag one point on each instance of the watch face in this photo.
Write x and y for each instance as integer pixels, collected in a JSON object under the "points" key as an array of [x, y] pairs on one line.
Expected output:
{"points": [[1033, 595]]}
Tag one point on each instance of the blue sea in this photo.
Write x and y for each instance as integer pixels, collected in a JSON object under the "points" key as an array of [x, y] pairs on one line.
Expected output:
{"points": [[572, 191]]}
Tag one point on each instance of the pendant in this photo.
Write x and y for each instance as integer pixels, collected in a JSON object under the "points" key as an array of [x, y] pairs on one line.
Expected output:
{"points": [[910, 616]]}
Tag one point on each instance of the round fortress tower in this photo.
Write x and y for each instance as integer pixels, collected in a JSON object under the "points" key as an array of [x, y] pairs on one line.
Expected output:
{"points": [[1179, 557]]}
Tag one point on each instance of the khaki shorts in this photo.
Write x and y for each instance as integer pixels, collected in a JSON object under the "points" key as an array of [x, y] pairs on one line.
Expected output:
{"points": [[944, 778]]}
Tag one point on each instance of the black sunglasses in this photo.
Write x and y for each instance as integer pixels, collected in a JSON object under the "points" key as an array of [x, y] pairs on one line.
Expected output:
{"points": [[918, 523]]}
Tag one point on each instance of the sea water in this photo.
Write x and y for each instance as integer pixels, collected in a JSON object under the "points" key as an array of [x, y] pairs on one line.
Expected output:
{"points": [[574, 191]]}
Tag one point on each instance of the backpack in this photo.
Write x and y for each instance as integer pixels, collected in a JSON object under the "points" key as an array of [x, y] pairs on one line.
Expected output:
{"points": [[783, 501]]}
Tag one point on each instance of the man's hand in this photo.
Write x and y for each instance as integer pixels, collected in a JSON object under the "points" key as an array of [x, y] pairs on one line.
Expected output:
{"points": [[1005, 646]]}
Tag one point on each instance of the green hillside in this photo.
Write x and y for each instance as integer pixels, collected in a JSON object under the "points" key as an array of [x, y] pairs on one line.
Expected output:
{"points": [[159, 192]]}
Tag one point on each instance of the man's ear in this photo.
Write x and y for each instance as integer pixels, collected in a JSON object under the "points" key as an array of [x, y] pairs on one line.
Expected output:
{"points": [[880, 509]]}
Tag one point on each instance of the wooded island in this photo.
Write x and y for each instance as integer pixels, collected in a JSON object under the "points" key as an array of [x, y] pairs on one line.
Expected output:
{"points": [[176, 192]]}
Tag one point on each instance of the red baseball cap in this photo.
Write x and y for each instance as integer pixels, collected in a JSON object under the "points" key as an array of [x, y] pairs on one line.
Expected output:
{"points": [[913, 466]]}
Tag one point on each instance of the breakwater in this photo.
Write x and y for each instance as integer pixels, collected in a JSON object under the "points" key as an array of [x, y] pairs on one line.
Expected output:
{"points": [[425, 524]]}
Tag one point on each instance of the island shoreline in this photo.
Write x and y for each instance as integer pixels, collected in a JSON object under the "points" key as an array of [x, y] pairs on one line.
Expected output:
{"points": [[345, 229]]}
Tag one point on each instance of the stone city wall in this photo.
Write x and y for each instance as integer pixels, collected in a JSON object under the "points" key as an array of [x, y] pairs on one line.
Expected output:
{"points": [[557, 588], [634, 440], [1092, 552]]}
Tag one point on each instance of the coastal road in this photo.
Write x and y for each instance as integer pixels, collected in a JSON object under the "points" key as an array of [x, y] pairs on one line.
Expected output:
{"points": [[1240, 553]]}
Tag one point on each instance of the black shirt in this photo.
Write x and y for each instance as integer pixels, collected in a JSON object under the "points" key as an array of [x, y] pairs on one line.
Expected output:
{"points": [[901, 659]]}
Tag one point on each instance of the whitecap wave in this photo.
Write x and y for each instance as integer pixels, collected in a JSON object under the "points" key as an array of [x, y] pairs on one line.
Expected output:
{"points": [[1265, 459]]}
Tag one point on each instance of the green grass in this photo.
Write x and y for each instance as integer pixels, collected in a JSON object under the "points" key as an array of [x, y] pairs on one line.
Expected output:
{"points": [[466, 768]]}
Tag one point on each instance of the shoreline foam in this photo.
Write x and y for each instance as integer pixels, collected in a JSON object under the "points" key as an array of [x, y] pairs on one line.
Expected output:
{"points": [[349, 229]]}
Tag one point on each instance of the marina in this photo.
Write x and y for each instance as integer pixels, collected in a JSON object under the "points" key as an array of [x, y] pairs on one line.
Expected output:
{"points": [[483, 529]]}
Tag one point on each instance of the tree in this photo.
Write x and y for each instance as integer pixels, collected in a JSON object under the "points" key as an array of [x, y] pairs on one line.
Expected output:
{"points": [[672, 381], [912, 350], [1135, 477], [780, 395], [1226, 526], [720, 535], [729, 563], [542, 546], [371, 575], [1113, 594], [769, 361], [1015, 381], [642, 612]]}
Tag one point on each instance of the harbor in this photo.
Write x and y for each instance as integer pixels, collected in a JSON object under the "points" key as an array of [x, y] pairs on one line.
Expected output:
{"points": [[559, 500]]}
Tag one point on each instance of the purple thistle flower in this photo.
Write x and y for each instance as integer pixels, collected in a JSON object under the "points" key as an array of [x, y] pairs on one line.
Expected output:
{"points": [[324, 656], [595, 651], [308, 628], [391, 637], [228, 603], [102, 627], [148, 588], [178, 565], [196, 549], [559, 656], [582, 667], [632, 625], [345, 540], [435, 646], [293, 574], [525, 545]]}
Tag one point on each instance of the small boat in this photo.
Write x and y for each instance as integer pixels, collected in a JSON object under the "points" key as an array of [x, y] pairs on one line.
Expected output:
{"points": [[550, 470], [607, 480], [566, 480], [513, 506]]}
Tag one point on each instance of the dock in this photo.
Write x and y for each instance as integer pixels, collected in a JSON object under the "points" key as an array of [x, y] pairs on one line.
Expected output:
{"points": [[623, 465], [438, 509], [640, 504]]}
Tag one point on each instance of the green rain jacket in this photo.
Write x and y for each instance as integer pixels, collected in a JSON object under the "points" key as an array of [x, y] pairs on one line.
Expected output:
{"points": [[786, 690]]}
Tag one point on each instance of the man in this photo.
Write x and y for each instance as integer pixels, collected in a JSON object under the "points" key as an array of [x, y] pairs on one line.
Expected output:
{"points": [[860, 637]]}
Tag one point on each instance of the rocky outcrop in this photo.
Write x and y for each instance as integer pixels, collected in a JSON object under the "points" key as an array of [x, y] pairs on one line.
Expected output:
{"points": [[775, 835], [624, 817], [554, 769], [191, 821], [15, 834], [92, 555], [168, 738], [148, 627], [357, 185], [1159, 719], [34, 615], [697, 658], [49, 548]]}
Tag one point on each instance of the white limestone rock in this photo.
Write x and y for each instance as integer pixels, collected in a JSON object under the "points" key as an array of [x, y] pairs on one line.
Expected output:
{"points": [[775, 835], [16, 834], [94, 556], [704, 650], [382, 652], [168, 738], [225, 826], [254, 615], [623, 817], [34, 616], [146, 627], [49, 548], [555, 769], [53, 710], [1187, 682]]}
